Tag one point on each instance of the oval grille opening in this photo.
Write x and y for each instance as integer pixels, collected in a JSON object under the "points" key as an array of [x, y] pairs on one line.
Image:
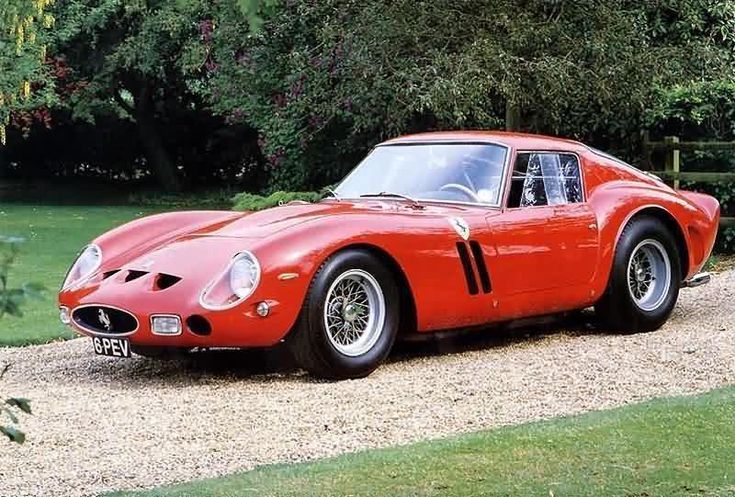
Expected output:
{"points": [[101, 319]]}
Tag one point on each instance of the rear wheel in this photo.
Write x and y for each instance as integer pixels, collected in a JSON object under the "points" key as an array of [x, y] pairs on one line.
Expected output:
{"points": [[645, 278], [349, 319]]}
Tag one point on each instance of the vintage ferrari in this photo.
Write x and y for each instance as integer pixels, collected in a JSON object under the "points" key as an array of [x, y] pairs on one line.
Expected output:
{"points": [[430, 232]]}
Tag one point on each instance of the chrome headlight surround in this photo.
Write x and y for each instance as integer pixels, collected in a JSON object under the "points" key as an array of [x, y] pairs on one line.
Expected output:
{"points": [[86, 264], [235, 284]]}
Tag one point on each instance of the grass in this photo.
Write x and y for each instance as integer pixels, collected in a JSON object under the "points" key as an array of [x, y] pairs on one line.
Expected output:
{"points": [[54, 235], [667, 447]]}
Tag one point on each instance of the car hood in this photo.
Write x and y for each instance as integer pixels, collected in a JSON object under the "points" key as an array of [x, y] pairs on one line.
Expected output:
{"points": [[278, 219], [205, 250]]}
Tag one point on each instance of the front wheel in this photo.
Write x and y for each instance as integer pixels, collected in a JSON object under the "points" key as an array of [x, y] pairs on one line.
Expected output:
{"points": [[645, 278], [349, 319]]}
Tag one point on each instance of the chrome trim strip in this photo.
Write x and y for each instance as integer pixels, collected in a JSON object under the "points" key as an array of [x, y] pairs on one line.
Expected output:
{"points": [[97, 333]]}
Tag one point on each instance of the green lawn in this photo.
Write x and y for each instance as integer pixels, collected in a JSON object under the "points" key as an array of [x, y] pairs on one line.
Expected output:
{"points": [[54, 235], [668, 447]]}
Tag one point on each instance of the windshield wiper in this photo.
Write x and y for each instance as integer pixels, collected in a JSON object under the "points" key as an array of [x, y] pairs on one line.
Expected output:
{"points": [[328, 192], [413, 201]]}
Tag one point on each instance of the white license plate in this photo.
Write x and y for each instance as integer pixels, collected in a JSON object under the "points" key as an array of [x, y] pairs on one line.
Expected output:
{"points": [[113, 347]]}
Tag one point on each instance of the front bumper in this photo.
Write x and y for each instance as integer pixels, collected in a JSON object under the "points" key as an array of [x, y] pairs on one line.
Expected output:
{"points": [[697, 280], [240, 326]]}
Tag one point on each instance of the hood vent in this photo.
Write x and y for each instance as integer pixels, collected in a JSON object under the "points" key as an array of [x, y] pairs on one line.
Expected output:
{"points": [[107, 274], [134, 275], [164, 281]]}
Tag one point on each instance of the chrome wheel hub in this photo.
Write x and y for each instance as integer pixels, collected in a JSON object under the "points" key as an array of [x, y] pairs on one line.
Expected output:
{"points": [[354, 312], [649, 274]]}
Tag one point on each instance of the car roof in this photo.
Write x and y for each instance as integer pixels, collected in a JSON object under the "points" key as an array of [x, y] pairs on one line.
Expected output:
{"points": [[518, 141]]}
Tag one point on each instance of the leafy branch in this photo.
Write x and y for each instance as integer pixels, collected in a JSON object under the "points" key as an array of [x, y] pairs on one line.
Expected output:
{"points": [[11, 300]]}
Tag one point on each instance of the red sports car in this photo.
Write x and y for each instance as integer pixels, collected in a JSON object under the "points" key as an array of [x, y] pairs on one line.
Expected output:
{"points": [[429, 232]]}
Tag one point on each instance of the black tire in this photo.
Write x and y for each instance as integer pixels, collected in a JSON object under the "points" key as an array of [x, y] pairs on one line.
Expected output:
{"points": [[310, 343], [619, 310]]}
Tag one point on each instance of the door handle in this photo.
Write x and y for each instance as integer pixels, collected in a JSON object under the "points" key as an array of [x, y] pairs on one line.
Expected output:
{"points": [[592, 226]]}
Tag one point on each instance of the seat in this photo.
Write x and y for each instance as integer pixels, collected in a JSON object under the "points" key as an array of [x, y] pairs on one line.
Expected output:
{"points": [[533, 192]]}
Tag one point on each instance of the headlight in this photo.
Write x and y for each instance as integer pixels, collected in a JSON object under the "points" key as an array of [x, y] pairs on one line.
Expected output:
{"points": [[87, 263], [233, 286], [244, 275]]}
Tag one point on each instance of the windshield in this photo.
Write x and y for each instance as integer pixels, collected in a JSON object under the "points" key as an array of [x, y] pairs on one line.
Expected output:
{"points": [[459, 172]]}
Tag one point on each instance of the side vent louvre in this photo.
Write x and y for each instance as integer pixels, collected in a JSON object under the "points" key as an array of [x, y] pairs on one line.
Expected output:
{"points": [[469, 273], [481, 266], [134, 275]]}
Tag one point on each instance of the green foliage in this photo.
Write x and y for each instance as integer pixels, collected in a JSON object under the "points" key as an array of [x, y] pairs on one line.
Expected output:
{"points": [[11, 300], [702, 111], [215, 199], [251, 202], [10, 408], [288, 95], [324, 81], [25, 79], [696, 110], [726, 240]]}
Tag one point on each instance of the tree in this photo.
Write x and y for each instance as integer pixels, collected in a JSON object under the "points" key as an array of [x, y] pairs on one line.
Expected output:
{"points": [[342, 74], [24, 78], [134, 60], [140, 61]]}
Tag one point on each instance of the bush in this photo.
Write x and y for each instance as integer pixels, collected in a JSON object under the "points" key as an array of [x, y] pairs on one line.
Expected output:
{"points": [[251, 202], [725, 241], [213, 199]]}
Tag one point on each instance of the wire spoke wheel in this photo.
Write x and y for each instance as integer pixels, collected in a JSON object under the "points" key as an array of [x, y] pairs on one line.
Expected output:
{"points": [[354, 312], [649, 274]]}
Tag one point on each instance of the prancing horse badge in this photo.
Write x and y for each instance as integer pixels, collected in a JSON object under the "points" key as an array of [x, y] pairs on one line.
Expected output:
{"points": [[460, 226]]}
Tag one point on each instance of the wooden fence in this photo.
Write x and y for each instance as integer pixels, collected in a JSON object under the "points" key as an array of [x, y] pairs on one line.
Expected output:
{"points": [[672, 172]]}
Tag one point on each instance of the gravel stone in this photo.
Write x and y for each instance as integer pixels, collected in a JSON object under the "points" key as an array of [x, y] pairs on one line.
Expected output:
{"points": [[103, 424]]}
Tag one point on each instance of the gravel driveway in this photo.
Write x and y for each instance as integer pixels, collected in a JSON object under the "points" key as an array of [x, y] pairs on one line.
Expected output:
{"points": [[104, 424]]}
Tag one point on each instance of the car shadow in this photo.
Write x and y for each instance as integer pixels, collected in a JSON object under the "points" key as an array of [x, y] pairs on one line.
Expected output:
{"points": [[277, 361]]}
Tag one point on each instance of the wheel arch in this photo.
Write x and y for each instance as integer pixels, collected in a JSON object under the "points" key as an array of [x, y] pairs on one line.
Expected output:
{"points": [[408, 317], [668, 220]]}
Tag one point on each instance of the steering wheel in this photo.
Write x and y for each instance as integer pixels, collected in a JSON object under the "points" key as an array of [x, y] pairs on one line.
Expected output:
{"points": [[455, 186]]}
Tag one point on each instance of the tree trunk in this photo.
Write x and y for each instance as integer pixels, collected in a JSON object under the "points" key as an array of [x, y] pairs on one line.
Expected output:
{"points": [[152, 142], [512, 116]]}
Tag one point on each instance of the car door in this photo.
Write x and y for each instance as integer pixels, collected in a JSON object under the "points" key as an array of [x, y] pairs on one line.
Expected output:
{"points": [[546, 237]]}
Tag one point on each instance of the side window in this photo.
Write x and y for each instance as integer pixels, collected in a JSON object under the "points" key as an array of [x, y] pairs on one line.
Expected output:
{"points": [[545, 179]]}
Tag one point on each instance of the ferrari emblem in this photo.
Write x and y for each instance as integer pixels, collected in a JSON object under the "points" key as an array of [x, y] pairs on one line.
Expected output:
{"points": [[460, 226], [104, 319]]}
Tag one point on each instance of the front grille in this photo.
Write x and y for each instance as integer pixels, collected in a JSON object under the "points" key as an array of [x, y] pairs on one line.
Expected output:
{"points": [[101, 319]]}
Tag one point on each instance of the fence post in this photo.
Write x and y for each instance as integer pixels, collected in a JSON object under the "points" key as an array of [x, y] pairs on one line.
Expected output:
{"points": [[673, 158]]}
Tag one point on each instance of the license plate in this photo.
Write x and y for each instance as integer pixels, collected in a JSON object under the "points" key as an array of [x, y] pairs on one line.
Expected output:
{"points": [[113, 347]]}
